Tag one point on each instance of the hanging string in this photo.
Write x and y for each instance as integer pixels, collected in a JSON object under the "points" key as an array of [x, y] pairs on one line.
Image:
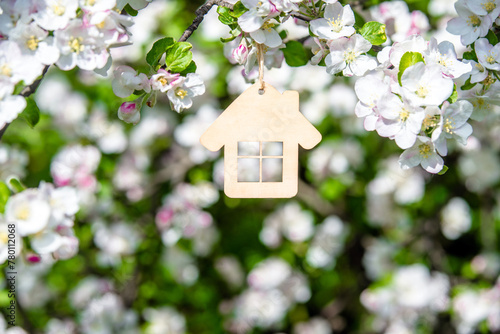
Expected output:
{"points": [[260, 58]]}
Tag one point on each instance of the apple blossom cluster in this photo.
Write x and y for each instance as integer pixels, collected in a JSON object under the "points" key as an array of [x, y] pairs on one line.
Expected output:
{"points": [[46, 216], [67, 33], [179, 89], [475, 19], [409, 99]]}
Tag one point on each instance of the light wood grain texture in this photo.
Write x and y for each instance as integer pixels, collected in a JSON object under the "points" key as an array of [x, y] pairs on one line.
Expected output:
{"points": [[270, 117]]}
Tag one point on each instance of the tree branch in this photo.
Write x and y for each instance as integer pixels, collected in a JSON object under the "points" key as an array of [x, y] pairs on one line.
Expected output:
{"points": [[27, 91], [200, 14]]}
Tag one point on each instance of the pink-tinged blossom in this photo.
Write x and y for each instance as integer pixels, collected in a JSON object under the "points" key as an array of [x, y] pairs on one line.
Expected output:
{"points": [[79, 48], [399, 120], [75, 165], [126, 81], [424, 85], [318, 48], [422, 153], [400, 23], [35, 41], [130, 112], [55, 14], [346, 55], [240, 54], [453, 124], [445, 56], [468, 25], [184, 90], [338, 22], [419, 23], [164, 80], [487, 54]]}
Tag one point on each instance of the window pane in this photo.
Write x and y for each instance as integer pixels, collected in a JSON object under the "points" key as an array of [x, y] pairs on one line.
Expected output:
{"points": [[248, 148], [272, 170], [274, 148], [248, 170]]}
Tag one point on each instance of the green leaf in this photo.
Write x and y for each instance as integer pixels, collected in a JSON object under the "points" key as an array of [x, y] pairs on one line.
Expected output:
{"points": [[295, 54], [374, 32], [454, 96], [471, 55], [239, 9], [179, 57], [130, 11], [159, 47], [468, 85], [444, 170], [492, 38], [225, 16], [15, 185], [190, 69], [4, 196], [409, 59], [31, 113], [283, 34]]}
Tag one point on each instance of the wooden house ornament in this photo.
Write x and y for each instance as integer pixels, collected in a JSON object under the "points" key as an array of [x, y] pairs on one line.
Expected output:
{"points": [[260, 132]]}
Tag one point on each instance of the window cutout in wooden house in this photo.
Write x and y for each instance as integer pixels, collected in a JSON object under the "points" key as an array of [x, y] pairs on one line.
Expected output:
{"points": [[248, 170], [272, 148], [272, 170], [248, 148]]}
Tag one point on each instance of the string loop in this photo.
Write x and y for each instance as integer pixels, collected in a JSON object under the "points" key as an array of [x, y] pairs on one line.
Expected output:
{"points": [[260, 58]]}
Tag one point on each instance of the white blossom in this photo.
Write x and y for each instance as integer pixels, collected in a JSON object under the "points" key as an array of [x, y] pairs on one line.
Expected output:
{"points": [[29, 210], [424, 85], [184, 90], [346, 55], [126, 81], [422, 153], [453, 124], [55, 14], [468, 25], [455, 218], [338, 22]]}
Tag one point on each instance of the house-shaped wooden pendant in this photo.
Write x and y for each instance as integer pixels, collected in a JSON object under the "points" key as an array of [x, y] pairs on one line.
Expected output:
{"points": [[260, 134]]}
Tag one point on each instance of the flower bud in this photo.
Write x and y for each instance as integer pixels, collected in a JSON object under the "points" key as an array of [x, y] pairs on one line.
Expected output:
{"points": [[240, 54], [129, 112]]}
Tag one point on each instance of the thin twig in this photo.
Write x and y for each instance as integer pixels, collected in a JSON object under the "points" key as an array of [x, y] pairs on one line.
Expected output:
{"points": [[27, 91], [301, 17], [200, 14]]}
